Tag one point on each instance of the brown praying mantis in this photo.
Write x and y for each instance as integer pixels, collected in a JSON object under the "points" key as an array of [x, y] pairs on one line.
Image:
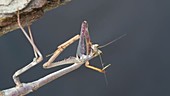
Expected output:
{"points": [[91, 52], [81, 56], [85, 52]]}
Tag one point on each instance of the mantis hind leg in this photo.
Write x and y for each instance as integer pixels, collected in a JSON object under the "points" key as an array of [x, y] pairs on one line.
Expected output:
{"points": [[38, 56]]}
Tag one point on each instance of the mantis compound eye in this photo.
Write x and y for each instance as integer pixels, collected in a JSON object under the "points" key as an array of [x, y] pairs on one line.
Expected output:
{"points": [[95, 49], [95, 46], [85, 22]]}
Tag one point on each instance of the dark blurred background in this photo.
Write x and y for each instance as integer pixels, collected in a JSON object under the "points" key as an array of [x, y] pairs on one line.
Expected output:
{"points": [[140, 61]]}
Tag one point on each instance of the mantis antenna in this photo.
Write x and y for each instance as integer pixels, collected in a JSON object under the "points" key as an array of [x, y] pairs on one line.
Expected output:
{"points": [[112, 41], [100, 57]]}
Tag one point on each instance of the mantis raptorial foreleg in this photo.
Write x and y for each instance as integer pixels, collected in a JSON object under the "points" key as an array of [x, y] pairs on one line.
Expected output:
{"points": [[60, 49], [38, 56]]}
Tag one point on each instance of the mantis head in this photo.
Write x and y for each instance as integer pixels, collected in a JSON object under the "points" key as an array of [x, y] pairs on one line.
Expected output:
{"points": [[95, 50]]}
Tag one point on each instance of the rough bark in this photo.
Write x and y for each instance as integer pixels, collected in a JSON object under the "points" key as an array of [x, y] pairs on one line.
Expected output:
{"points": [[32, 12]]}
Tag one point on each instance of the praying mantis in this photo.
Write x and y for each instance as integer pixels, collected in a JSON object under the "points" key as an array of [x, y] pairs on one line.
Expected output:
{"points": [[91, 52], [86, 51], [81, 56]]}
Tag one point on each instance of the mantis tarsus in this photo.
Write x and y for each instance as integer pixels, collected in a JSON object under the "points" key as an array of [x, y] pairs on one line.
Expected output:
{"points": [[81, 56]]}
